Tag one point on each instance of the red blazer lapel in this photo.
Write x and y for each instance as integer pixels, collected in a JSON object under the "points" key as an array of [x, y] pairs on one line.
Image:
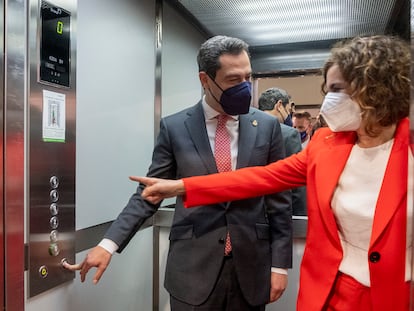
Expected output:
{"points": [[333, 152], [393, 192]]}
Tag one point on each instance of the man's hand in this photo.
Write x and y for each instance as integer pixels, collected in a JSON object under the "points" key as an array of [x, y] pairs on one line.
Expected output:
{"points": [[98, 257], [158, 189], [278, 284]]}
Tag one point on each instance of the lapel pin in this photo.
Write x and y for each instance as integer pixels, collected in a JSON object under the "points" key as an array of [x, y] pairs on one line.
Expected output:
{"points": [[254, 123]]}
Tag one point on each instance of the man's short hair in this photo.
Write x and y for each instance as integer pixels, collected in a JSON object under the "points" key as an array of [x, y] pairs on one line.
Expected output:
{"points": [[211, 50], [271, 96], [302, 115]]}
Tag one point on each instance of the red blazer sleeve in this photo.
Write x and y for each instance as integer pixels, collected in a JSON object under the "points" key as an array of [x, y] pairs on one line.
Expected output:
{"points": [[246, 182]]}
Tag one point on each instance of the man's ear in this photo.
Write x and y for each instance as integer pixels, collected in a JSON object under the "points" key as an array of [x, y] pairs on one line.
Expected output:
{"points": [[282, 110], [203, 79], [278, 104]]}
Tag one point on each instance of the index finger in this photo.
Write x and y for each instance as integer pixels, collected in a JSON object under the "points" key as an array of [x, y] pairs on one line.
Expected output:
{"points": [[73, 267], [138, 179]]}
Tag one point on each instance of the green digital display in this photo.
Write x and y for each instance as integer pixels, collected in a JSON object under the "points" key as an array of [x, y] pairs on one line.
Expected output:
{"points": [[54, 47], [59, 27]]}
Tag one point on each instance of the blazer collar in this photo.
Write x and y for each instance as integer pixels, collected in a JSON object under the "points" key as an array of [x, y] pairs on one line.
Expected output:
{"points": [[332, 156], [393, 193]]}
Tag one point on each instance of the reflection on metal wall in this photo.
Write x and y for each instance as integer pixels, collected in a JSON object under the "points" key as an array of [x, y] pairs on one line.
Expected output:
{"points": [[13, 156], [51, 143], [412, 136]]}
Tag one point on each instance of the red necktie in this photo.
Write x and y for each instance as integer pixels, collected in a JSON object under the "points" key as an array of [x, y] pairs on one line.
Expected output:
{"points": [[222, 155]]}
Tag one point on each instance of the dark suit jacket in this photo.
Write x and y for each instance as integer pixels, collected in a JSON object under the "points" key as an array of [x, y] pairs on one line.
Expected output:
{"points": [[293, 144], [260, 228]]}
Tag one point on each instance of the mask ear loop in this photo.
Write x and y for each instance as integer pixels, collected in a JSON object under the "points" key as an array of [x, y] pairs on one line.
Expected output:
{"points": [[217, 86], [215, 82]]}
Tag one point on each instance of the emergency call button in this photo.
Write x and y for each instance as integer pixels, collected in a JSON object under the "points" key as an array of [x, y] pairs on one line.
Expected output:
{"points": [[43, 272]]}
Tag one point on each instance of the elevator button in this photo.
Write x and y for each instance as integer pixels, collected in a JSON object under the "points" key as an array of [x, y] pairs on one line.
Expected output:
{"points": [[54, 195], [53, 236], [54, 222], [54, 249], [54, 182], [43, 272], [63, 261], [54, 210]]}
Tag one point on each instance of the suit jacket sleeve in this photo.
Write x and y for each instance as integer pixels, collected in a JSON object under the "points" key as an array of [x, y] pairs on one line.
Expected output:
{"points": [[137, 209], [279, 210]]}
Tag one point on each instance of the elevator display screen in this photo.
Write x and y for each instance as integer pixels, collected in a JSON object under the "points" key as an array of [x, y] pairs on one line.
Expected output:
{"points": [[54, 45]]}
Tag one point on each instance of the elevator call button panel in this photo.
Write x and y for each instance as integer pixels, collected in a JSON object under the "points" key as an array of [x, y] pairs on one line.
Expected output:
{"points": [[51, 175]]}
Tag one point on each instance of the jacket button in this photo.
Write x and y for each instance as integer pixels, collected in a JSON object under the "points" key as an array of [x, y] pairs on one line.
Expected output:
{"points": [[221, 241], [374, 257]]}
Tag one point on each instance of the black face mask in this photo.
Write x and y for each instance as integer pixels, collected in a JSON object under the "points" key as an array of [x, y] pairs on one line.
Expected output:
{"points": [[288, 121], [236, 99], [303, 135]]}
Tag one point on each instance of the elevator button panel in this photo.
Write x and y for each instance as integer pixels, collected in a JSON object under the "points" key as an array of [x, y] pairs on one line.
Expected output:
{"points": [[51, 144]]}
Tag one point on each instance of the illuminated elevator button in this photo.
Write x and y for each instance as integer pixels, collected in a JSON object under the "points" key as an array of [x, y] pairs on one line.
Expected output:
{"points": [[54, 210], [54, 249], [54, 222], [54, 195], [54, 182], [43, 271], [53, 236]]}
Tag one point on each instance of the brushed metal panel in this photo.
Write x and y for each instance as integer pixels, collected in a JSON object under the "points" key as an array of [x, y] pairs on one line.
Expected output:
{"points": [[276, 22], [13, 161], [45, 160]]}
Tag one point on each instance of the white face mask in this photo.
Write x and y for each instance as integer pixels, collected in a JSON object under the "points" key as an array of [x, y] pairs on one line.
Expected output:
{"points": [[340, 112]]}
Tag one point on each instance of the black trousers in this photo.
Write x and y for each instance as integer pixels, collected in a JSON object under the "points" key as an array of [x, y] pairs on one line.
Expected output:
{"points": [[226, 295]]}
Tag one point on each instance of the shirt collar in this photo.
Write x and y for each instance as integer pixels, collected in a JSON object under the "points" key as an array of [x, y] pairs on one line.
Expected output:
{"points": [[210, 113]]}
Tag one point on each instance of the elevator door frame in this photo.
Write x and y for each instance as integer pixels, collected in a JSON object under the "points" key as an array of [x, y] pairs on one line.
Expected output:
{"points": [[13, 77]]}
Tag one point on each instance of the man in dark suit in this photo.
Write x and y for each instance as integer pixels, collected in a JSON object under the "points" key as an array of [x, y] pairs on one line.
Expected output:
{"points": [[274, 101], [199, 274]]}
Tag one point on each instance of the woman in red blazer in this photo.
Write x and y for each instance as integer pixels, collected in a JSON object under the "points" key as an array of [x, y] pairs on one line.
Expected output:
{"points": [[358, 246]]}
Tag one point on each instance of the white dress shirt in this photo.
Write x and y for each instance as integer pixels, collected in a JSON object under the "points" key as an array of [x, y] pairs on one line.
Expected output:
{"points": [[354, 203]]}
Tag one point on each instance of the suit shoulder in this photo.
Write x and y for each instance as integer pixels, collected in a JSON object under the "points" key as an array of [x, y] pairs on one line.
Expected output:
{"points": [[288, 129], [180, 115], [258, 114]]}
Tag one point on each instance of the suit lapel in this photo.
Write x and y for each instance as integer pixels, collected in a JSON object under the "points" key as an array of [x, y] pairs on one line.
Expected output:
{"points": [[247, 138], [394, 186], [195, 125]]}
